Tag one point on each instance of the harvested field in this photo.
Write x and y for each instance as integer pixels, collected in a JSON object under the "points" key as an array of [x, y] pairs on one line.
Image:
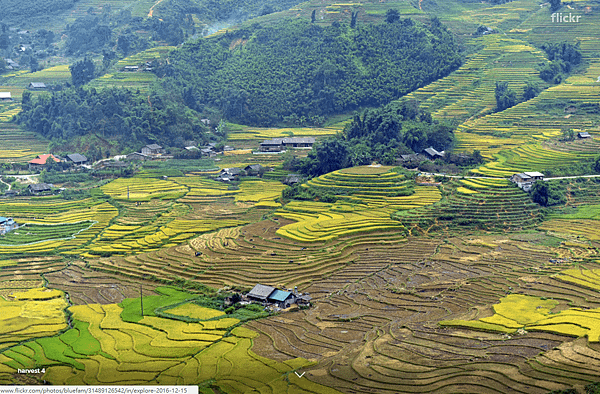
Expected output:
{"points": [[377, 329]]}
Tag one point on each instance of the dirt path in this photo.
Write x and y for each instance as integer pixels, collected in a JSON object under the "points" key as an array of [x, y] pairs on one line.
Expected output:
{"points": [[9, 186], [152, 8]]}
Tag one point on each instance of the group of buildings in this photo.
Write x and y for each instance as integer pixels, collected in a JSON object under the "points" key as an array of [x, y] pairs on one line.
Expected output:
{"points": [[7, 96], [270, 296], [42, 161], [525, 180], [233, 173]]}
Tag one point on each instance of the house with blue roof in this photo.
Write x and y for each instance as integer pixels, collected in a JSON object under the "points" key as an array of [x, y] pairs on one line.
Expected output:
{"points": [[7, 224], [283, 299]]}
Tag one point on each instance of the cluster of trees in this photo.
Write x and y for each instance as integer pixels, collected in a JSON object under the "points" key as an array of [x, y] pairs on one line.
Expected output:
{"points": [[548, 194], [88, 33], [117, 114], [378, 135], [296, 69], [563, 57], [506, 98]]}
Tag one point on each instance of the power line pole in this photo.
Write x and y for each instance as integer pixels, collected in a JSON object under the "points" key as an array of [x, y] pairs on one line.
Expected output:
{"points": [[141, 301]]}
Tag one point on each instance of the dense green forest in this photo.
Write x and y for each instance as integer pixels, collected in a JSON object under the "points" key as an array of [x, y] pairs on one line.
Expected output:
{"points": [[118, 114], [378, 135], [19, 8], [298, 70]]}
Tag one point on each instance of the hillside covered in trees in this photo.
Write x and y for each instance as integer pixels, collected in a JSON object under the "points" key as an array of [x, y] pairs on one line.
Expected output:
{"points": [[297, 70], [377, 135], [118, 114]]}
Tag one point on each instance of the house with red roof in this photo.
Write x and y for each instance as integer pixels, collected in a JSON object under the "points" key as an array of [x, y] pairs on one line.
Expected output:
{"points": [[41, 161]]}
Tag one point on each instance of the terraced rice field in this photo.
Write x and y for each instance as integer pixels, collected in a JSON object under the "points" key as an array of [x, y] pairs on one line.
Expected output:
{"points": [[31, 313], [53, 224], [374, 328], [369, 196], [483, 203], [580, 218], [19, 146], [469, 91], [133, 80], [243, 134], [101, 348]]}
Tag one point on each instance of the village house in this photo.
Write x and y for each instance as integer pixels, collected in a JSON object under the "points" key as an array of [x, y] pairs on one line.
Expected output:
{"points": [[37, 86], [11, 64], [583, 135], [254, 169], [280, 144], [526, 179], [283, 299], [208, 152], [39, 188], [111, 164], [137, 156], [291, 179], [410, 157], [260, 293], [432, 154], [5, 96], [131, 68], [153, 149], [280, 298], [7, 224], [77, 159], [303, 299], [41, 161]]}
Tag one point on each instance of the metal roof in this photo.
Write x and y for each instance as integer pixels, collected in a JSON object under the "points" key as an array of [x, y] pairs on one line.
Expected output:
{"points": [[289, 140], [279, 295], [298, 140], [5, 95], [77, 158], [37, 85], [534, 174], [153, 146], [261, 291], [38, 187], [433, 152]]}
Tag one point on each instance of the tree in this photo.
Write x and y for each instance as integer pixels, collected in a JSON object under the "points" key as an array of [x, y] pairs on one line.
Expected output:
{"points": [[597, 165], [567, 134], [392, 16], [33, 64], [555, 5], [353, 20], [82, 71], [539, 193], [530, 91], [313, 16], [547, 194], [505, 98]]}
